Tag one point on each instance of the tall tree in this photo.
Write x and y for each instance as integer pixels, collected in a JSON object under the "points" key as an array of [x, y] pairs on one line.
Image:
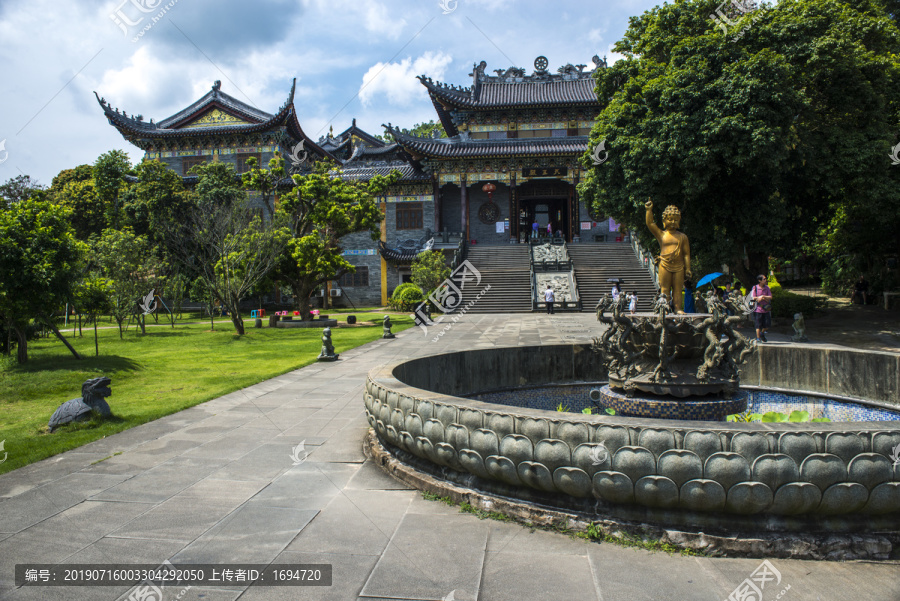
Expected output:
{"points": [[223, 241], [39, 264], [319, 210], [18, 188], [755, 132], [264, 181], [109, 173], [128, 264], [157, 199]]}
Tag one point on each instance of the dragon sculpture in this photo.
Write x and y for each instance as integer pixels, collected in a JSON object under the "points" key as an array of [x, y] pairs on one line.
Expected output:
{"points": [[93, 392]]}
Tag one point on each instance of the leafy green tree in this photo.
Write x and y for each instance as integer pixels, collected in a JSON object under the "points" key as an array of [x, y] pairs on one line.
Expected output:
{"points": [[39, 264], [757, 139], [422, 130], [88, 212], [264, 181], [109, 173], [17, 189], [92, 298], [126, 261], [223, 241], [429, 269], [319, 210], [156, 200]]}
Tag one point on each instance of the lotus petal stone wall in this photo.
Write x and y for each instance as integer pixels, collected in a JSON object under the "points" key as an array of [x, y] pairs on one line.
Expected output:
{"points": [[785, 469]]}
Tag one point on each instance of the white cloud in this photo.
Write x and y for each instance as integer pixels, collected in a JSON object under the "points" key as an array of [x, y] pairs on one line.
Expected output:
{"points": [[397, 81], [380, 22]]}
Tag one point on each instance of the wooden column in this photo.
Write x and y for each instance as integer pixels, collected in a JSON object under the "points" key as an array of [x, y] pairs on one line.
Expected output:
{"points": [[436, 190], [384, 265], [464, 206], [569, 212], [513, 209]]}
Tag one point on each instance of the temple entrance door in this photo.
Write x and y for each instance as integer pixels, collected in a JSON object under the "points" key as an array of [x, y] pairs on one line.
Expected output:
{"points": [[546, 202]]}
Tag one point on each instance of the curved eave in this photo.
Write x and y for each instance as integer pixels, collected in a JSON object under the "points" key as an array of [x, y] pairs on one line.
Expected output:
{"points": [[394, 256], [524, 148]]}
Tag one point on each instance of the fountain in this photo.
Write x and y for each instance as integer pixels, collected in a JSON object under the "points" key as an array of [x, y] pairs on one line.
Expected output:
{"points": [[479, 426]]}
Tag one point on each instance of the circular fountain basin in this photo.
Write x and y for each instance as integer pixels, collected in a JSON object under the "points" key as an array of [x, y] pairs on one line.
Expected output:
{"points": [[714, 482]]}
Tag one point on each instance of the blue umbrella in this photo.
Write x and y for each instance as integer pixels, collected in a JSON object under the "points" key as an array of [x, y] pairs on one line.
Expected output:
{"points": [[708, 278]]}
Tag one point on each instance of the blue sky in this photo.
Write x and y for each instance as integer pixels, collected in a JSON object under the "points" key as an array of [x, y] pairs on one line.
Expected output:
{"points": [[351, 58]]}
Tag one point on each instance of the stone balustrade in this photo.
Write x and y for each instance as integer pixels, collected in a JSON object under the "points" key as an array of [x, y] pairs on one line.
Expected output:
{"points": [[793, 473]]}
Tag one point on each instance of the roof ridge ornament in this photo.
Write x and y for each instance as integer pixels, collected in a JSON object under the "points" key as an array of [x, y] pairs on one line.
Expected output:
{"points": [[217, 86]]}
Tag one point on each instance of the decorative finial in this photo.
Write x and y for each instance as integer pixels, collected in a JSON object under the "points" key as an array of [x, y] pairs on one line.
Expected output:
{"points": [[217, 85]]}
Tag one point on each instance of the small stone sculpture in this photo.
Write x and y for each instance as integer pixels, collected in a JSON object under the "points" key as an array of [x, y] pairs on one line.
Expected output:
{"points": [[92, 393], [327, 353], [387, 325], [799, 328]]}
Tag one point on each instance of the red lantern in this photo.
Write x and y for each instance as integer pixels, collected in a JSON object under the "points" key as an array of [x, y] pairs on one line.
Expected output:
{"points": [[489, 188]]}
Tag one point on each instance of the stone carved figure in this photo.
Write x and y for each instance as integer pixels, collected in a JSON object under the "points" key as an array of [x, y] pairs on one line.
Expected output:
{"points": [[666, 354], [93, 392], [674, 260], [386, 327], [799, 326], [327, 353], [727, 349]]}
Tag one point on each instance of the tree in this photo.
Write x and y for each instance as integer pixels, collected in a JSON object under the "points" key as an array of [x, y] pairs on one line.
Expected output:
{"points": [[87, 210], [429, 269], [319, 210], [39, 264], [127, 262], [17, 189], [92, 299], [109, 173], [157, 198], [264, 181], [223, 242], [422, 130], [756, 139]]}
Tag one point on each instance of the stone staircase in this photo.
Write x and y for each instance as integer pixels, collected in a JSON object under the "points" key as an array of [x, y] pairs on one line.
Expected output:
{"points": [[508, 270], [595, 263]]}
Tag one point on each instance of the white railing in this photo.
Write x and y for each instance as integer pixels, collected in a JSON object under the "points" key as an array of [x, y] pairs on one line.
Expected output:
{"points": [[645, 257]]}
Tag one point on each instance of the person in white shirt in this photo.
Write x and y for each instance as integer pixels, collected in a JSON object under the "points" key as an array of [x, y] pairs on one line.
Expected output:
{"points": [[632, 301], [548, 298], [616, 291]]}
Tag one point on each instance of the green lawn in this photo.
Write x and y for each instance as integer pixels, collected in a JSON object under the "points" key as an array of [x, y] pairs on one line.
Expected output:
{"points": [[153, 375]]}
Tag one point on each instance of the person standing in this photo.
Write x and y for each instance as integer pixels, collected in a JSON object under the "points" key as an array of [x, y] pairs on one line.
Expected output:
{"points": [[548, 298], [762, 314], [861, 290], [616, 292], [534, 229], [689, 297], [632, 302]]}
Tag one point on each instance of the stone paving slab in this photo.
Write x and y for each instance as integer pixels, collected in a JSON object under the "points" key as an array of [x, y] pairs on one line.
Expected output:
{"points": [[427, 559], [218, 483]]}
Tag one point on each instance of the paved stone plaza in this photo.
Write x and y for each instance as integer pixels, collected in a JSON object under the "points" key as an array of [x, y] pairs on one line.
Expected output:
{"points": [[217, 483]]}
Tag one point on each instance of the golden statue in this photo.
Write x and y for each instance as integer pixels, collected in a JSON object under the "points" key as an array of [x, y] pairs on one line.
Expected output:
{"points": [[674, 261]]}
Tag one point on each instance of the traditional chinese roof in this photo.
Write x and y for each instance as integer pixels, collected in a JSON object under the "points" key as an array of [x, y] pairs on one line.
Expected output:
{"points": [[406, 250], [343, 144], [569, 86], [462, 146], [215, 113]]}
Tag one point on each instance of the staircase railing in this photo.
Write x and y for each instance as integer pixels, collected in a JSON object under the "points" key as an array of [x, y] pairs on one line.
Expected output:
{"points": [[645, 257], [557, 265], [564, 264], [460, 254]]}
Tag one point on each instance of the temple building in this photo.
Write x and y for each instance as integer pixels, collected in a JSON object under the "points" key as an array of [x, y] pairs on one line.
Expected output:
{"points": [[217, 127], [512, 158]]}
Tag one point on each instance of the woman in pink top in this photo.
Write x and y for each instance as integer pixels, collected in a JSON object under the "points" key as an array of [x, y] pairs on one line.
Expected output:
{"points": [[762, 314]]}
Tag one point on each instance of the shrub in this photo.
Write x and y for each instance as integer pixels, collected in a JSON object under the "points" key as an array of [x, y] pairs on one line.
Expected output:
{"points": [[786, 304], [406, 296]]}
